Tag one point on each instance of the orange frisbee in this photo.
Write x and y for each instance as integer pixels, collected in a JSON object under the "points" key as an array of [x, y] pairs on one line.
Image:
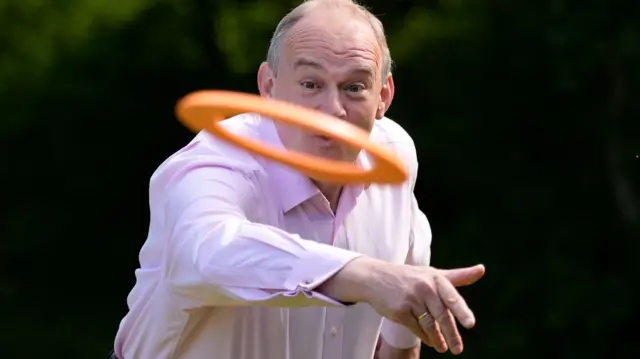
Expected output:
{"points": [[202, 110]]}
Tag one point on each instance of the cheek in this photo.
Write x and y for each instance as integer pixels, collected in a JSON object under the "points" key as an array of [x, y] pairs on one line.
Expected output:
{"points": [[362, 114], [291, 136], [293, 94], [298, 135]]}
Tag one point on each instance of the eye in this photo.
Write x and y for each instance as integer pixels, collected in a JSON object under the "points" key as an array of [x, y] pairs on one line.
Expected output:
{"points": [[309, 85], [355, 88]]}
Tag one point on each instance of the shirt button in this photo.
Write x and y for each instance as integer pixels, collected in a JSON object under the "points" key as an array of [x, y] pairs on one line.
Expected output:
{"points": [[334, 331], [308, 281]]}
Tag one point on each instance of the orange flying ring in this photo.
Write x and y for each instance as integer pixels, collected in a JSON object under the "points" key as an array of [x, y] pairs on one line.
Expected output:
{"points": [[204, 109]]}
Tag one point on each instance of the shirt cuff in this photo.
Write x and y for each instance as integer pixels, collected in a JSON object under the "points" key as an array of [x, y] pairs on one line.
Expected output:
{"points": [[280, 298], [317, 264], [398, 336]]}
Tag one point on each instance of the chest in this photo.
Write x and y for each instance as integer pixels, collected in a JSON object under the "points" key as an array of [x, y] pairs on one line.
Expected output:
{"points": [[376, 223]]}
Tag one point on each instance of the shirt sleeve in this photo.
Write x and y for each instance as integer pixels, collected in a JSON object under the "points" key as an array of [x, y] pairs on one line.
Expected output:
{"points": [[420, 237], [215, 256]]}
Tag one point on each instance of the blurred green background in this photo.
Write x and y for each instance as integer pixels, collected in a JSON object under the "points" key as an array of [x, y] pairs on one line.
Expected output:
{"points": [[525, 114]]}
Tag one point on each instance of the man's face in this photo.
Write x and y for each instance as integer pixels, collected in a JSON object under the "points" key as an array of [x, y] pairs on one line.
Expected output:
{"points": [[330, 62]]}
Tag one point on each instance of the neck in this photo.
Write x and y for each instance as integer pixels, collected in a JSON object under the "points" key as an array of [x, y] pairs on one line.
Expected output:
{"points": [[331, 192]]}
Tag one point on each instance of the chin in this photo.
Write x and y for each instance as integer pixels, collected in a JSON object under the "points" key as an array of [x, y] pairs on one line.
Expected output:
{"points": [[339, 155], [331, 153]]}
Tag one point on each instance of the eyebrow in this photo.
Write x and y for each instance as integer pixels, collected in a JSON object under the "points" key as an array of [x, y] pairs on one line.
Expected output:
{"points": [[304, 62]]}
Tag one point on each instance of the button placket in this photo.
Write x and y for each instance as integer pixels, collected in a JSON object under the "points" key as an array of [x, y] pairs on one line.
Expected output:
{"points": [[333, 335]]}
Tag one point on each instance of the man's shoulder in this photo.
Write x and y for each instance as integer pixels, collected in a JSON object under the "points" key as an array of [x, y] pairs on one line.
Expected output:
{"points": [[388, 132], [206, 149]]}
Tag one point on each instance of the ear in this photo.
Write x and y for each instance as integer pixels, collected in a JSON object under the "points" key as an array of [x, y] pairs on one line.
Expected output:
{"points": [[386, 96], [265, 80]]}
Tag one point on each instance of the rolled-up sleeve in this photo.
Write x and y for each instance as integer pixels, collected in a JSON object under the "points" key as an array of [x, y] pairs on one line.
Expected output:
{"points": [[216, 256]]}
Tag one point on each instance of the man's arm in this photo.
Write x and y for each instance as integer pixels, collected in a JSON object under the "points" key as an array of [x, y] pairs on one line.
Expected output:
{"points": [[215, 256]]}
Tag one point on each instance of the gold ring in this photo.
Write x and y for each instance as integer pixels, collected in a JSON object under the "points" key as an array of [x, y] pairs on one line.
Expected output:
{"points": [[422, 316]]}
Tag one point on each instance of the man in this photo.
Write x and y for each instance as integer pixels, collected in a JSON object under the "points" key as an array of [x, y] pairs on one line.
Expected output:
{"points": [[248, 259]]}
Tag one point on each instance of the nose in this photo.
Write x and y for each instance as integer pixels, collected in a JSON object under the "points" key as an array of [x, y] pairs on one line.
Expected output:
{"points": [[331, 104]]}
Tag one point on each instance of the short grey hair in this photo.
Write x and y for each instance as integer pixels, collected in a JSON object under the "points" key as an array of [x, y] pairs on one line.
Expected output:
{"points": [[295, 15]]}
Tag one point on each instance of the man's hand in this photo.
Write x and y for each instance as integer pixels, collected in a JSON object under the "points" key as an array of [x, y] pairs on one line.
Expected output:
{"points": [[386, 351], [423, 299]]}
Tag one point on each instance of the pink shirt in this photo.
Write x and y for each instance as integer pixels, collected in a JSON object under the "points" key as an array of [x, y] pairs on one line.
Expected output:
{"points": [[237, 245]]}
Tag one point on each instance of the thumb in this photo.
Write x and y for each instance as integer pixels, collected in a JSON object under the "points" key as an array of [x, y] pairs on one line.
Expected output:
{"points": [[463, 276]]}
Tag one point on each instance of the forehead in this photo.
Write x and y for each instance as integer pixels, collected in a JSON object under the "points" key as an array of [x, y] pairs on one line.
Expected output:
{"points": [[333, 40]]}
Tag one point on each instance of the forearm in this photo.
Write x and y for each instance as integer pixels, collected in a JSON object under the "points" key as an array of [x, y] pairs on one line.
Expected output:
{"points": [[356, 281], [243, 263]]}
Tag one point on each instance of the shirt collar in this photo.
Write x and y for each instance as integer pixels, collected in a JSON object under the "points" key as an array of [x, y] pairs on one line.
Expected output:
{"points": [[290, 186]]}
